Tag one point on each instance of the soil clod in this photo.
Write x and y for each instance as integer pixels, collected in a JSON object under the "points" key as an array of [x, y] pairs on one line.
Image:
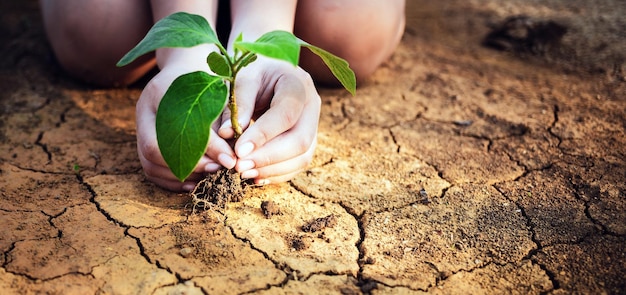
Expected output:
{"points": [[299, 243], [424, 197], [186, 252], [269, 209], [320, 223]]}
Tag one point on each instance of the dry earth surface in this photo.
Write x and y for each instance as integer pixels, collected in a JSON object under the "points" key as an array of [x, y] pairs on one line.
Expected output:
{"points": [[457, 169]]}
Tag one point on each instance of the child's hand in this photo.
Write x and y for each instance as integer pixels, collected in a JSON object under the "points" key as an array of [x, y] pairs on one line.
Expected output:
{"points": [[285, 105], [218, 152]]}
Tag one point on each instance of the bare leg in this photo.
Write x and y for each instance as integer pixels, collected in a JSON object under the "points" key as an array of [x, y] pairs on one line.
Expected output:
{"points": [[90, 36], [364, 32]]}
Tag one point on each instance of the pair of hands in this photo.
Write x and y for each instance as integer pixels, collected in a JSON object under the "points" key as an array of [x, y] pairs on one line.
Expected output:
{"points": [[279, 98]]}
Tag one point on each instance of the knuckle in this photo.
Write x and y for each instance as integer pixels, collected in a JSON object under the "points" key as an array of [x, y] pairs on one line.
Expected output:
{"points": [[302, 145], [290, 118], [306, 161], [306, 78], [261, 137], [151, 152], [153, 89], [265, 161], [150, 174]]}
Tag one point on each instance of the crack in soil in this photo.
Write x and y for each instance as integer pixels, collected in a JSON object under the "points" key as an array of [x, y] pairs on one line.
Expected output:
{"points": [[581, 190], [459, 67], [51, 221], [44, 147], [604, 230], [394, 139], [33, 278], [361, 282], [361, 260], [179, 279], [10, 249], [62, 119], [6, 255], [183, 282], [367, 285], [526, 172], [518, 163], [280, 266], [140, 246], [40, 171], [555, 111], [533, 237]]}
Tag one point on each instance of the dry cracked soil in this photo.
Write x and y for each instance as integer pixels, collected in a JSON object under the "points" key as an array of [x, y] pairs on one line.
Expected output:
{"points": [[487, 155]]}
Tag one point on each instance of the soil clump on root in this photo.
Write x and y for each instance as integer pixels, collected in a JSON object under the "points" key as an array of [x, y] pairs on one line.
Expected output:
{"points": [[217, 189]]}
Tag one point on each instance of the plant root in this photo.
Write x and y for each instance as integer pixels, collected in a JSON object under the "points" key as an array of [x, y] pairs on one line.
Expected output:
{"points": [[217, 189]]}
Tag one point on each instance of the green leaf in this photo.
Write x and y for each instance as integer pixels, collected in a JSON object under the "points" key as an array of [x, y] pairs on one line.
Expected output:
{"points": [[176, 30], [184, 118], [276, 44], [338, 66], [219, 64], [237, 40], [248, 60], [239, 37]]}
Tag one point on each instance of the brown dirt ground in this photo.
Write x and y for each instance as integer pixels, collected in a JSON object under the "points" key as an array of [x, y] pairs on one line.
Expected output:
{"points": [[456, 169]]}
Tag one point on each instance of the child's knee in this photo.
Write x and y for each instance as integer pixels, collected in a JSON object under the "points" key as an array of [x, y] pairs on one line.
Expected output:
{"points": [[87, 44], [366, 52], [364, 41], [85, 60]]}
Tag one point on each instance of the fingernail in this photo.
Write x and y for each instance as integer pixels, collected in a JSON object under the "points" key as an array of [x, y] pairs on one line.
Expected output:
{"points": [[212, 167], [250, 174], [245, 149], [263, 182], [226, 124], [188, 187], [224, 129], [245, 165], [226, 160]]}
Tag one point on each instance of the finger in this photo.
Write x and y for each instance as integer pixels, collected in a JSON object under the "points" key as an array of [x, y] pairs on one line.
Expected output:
{"points": [[293, 143], [158, 171], [210, 166], [146, 133], [285, 111], [175, 186], [299, 140], [276, 179], [279, 170], [163, 177], [220, 152]]}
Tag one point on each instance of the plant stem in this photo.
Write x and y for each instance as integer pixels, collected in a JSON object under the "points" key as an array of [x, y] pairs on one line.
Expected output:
{"points": [[232, 106], [232, 101]]}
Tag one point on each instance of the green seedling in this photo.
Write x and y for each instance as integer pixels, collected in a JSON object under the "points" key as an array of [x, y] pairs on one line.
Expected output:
{"points": [[195, 100]]}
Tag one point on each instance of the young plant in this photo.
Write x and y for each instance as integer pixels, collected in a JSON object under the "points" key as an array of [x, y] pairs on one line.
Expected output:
{"points": [[195, 100]]}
